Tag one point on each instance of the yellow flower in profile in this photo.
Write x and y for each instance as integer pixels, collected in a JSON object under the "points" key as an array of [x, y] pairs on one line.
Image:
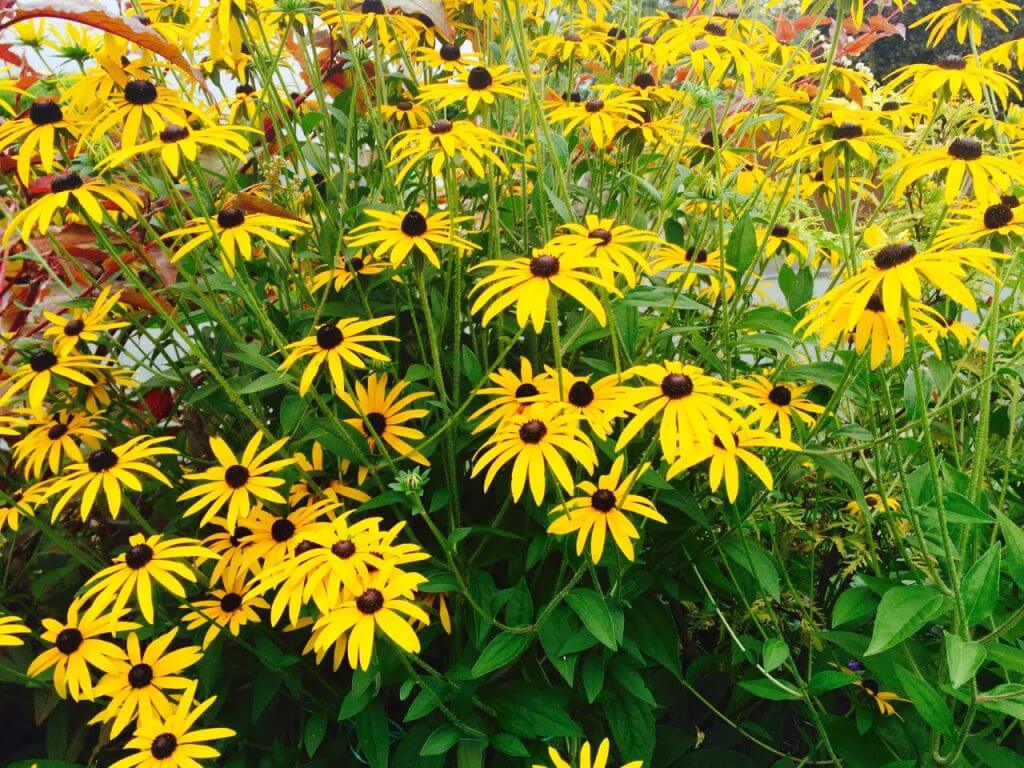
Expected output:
{"points": [[447, 140], [339, 343], [609, 247], [603, 510], [149, 559], [68, 331], [177, 142], [478, 85], [107, 470], [511, 395], [387, 412], [777, 401], [536, 441], [78, 645], [55, 438], [348, 270], [949, 76], [602, 117], [726, 455], [527, 283], [969, 16], [172, 741], [990, 175], [38, 131], [236, 481], [882, 699], [381, 601], [37, 375], [400, 233], [10, 628], [137, 686], [586, 760], [229, 607]]}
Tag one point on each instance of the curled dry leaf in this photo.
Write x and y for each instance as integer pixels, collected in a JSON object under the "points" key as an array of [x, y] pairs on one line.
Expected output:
{"points": [[250, 203], [91, 14], [431, 9]]}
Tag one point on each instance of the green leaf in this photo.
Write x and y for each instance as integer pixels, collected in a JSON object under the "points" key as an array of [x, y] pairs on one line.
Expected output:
{"points": [[903, 611], [264, 689], [749, 556], [980, 587], [854, 605], [993, 755], [632, 725], [741, 249], [593, 611], [292, 408], [837, 470], [829, 680], [630, 680], [650, 623], [531, 712], [797, 287], [928, 703], [372, 733], [1014, 538], [509, 745], [440, 741], [592, 674], [960, 509], [314, 732], [775, 652], [963, 657], [266, 381], [766, 689], [471, 367], [501, 651]]}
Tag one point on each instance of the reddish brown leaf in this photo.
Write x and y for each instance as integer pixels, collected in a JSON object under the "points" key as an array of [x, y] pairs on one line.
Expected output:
{"points": [[250, 203]]}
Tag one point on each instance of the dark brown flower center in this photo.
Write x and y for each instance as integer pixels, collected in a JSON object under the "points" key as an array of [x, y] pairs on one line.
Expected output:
{"points": [[57, 431], [231, 602], [644, 80], [138, 556], [526, 389], [140, 676], [875, 303], [45, 112], [164, 746], [245, 89], [714, 28], [965, 148], [479, 79], [1010, 201], [236, 476], [282, 530], [871, 687], [174, 133], [74, 328], [404, 106], [581, 394], [414, 224], [373, 6], [696, 255], [845, 131], [101, 460], [378, 421], [344, 549], [240, 532], [780, 395], [42, 361], [66, 182], [230, 218], [441, 126], [895, 254], [708, 139], [533, 431], [997, 216], [603, 500], [328, 336], [356, 264], [140, 92], [951, 61], [69, 640], [370, 601], [544, 265], [305, 546], [676, 385], [601, 234], [572, 37], [450, 52], [890, 106], [594, 105], [780, 230]]}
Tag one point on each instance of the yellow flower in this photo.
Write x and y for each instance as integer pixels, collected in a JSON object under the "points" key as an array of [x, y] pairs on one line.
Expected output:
{"points": [[990, 175], [599, 759], [140, 102], [949, 76], [36, 376], [780, 402], [401, 232], [478, 85], [55, 438], [83, 326], [340, 343], [447, 140], [10, 628], [387, 413], [176, 142], [512, 395], [969, 16], [602, 117], [230, 607], [38, 130], [611, 248]]}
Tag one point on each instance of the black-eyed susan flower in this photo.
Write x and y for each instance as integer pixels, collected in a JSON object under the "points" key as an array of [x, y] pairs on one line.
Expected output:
{"points": [[229, 607], [387, 411], [535, 442], [586, 46], [54, 439], [694, 267], [271, 539], [478, 86], [339, 343], [597, 403], [399, 233], [138, 686], [177, 142], [78, 325], [149, 559], [10, 629], [22, 503], [447, 56], [173, 742], [726, 456], [511, 394], [612, 248], [324, 482], [93, 198], [370, 20], [406, 113], [140, 103], [777, 401], [587, 758], [233, 231], [882, 699], [969, 16], [37, 375], [979, 222], [236, 481], [229, 546], [107, 470], [527, 283], [601, 117], [38, 130], [78, 644], [382, 601], [348, 270], [990, 175], [447, 140], [605, 508], [949, 76], [693, 406]]}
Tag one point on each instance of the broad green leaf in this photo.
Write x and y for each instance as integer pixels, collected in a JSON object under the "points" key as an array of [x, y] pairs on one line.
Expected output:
{"points": [[440, 741], [993, 755], [372, 733], [593, 611], [749, 556], [854, 605], [963, 657], [592, 674], [630, 680], [314, 732], [501, 651], [829, 680], [928, 703], [533, 712], [649, 622], [741, 249], [980, 587], [632, 726], [766, 689], [903, 611], [775, 652], [509, 745], [1014, 538], [960, 509]]}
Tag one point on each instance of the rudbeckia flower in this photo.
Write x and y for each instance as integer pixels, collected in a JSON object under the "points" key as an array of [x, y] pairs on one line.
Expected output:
{"points": [[172, 742], [10, 628], [777, 401], [990, 175], [406, 113], [229, 607], [693, 407], [325, 483], [54, 438], [949, 76], [398, 234], [602, 117], [348, 270], [584, 47], [882, 699], [725, 457], [694, 265], [597, 403], [138, 685], [381, 601], [370, 21], [77, 646], [269, 540], [343, 342], [612, 248], [38, 130], [536, 441], [149, 558], [598, 760], [527, 283], [236, 481], [68, 331], [388, 413], [233, 230], [981, 221], [447, 140], [478, 85], [141, 102], [108, 469], [36, 376], [512, 394], [969, 16], [603, 509], [176, 142]]}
